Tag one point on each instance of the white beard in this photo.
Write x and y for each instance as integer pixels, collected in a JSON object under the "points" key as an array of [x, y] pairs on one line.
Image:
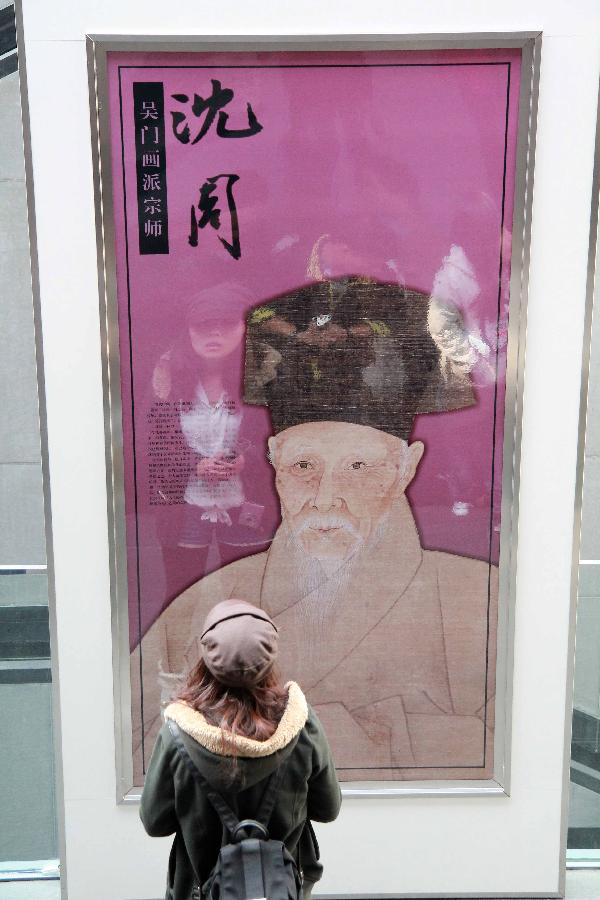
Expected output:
{"points": [[322, 589]]}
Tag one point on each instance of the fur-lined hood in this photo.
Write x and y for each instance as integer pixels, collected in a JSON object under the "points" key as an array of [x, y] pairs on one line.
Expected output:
{"points": [[210, 748], [211, 737]]}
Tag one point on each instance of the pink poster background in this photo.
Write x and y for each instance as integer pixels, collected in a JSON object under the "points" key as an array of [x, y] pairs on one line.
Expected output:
{"points": [[398, 155]]}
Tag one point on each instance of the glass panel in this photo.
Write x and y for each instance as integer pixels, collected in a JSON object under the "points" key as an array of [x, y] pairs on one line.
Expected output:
{"points": [[26, 797], [325, 419], [28, 840], [21, 512], [584, 820], [584, 817], [23, 588]]}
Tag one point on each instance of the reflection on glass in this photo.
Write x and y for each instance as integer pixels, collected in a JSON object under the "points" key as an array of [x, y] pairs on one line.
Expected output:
{"points": [[314, 382]]}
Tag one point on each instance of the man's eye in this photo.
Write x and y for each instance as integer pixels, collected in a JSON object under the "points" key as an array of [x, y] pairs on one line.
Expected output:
{"points": [[358, 464], [303, 464]]}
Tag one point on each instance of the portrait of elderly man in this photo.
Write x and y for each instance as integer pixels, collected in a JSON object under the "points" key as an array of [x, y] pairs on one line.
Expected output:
{"points": [[393, 644]]}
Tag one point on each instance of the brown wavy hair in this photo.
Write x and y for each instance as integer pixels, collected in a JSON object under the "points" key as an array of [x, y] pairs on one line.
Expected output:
{"points": [[253, 712]]}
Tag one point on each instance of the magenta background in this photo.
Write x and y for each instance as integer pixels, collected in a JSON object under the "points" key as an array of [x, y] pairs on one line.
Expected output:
{"points": [[400, 162]]}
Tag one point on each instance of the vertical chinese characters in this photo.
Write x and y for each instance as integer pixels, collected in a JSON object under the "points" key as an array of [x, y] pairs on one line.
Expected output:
{"points": [[216, 192], [209, 205], [151, 167]]}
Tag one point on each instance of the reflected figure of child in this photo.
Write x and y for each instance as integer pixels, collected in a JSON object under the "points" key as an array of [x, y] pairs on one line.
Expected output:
{"points": [[211, 429], [208, 451]]}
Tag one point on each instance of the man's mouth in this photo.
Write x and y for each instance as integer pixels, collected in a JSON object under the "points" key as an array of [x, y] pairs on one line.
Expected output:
{"points": [[328, 526]]}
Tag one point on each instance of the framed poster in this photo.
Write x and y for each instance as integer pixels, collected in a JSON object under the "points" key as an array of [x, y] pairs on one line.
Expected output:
{"points": [[313, 267]]}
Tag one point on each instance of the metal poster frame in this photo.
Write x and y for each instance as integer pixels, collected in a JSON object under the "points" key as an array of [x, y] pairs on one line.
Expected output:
{"points": [[98, 46]]}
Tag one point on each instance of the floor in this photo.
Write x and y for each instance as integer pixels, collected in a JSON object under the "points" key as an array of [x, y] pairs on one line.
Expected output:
{"points": [[581, 885]]}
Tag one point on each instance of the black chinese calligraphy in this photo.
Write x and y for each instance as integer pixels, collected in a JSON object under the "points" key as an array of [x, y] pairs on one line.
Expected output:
{"points": [[209, 206], [205, 111]]}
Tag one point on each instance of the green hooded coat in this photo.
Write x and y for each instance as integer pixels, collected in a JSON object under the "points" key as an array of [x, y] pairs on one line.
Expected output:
{"points": [[173, 802]]}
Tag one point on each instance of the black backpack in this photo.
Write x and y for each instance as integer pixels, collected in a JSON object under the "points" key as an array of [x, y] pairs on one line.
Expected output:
{"points": [[251, 865]]}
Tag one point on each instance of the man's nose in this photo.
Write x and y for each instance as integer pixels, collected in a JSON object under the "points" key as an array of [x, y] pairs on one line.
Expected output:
{"points": [[326, 495]]}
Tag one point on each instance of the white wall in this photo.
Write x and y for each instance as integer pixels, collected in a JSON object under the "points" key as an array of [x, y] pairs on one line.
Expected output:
{"points": [[446, 845]]}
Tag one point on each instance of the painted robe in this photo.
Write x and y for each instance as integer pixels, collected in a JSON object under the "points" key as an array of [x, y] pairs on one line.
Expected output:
{"points": [[395, 650]]}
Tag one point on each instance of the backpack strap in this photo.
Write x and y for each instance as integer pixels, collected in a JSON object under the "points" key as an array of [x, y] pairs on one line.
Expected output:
{"points": [[253, 869], [269, 798], [224, 811]]}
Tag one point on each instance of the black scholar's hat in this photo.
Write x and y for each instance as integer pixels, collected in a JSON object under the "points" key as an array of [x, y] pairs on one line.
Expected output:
{"points": [[355, 350]]}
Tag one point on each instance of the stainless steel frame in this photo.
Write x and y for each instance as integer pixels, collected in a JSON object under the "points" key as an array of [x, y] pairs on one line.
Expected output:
{"points": [[530, 42]]}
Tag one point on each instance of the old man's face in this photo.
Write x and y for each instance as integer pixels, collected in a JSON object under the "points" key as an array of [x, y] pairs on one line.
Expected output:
{"points": [[337, 482]]}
